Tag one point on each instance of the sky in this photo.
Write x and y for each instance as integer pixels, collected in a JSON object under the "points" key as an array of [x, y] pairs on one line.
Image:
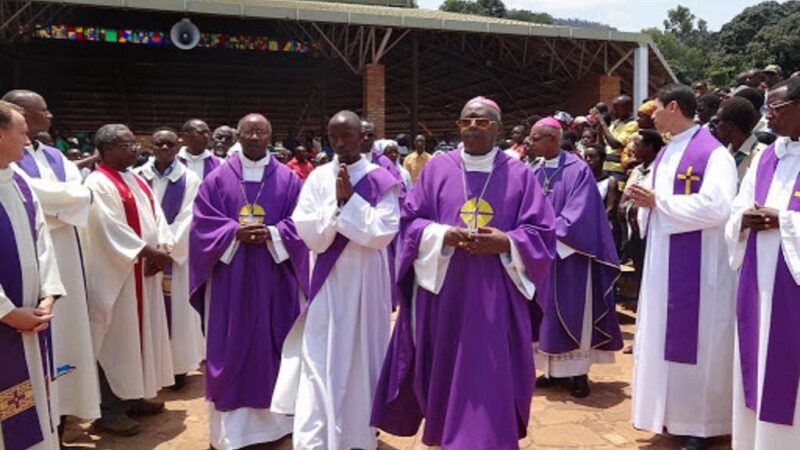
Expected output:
{"points": [[626, 15]]}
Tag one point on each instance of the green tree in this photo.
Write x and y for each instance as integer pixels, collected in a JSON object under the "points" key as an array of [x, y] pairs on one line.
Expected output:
{"points": [[688, 62], [685, 42], [778, 43], [460, 6], [524, 15], [760, 35], [490, 8]]}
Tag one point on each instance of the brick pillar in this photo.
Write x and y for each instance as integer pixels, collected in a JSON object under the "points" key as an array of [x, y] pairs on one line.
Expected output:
{"points": [[374, 96], [609, 88], [585, 93]]}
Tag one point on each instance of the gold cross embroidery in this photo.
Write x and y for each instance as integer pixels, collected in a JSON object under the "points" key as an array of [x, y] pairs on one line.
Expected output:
{"points": [[797, 194], [476, 214], [16, 399], [688, 178]]}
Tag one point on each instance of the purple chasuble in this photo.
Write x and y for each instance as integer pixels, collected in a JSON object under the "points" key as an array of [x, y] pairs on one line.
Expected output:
{"points": [[476, 332], [782, 367], [209, 164], [171, 206], [253, 301], [381, 160], [371, 187], [198, 296], [54, 159], [581, 223], [685, 251], [19, 419]]}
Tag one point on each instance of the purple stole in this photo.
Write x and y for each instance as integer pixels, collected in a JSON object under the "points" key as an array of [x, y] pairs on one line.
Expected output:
{"points": [[782, 370], [209, 164], [29, 166], [54, 158], [18, 418], [171, 206], [685, 251], [198, 298], [371, 187]]}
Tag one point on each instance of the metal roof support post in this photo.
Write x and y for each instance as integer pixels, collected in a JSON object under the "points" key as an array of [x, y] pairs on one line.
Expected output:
{"points": [[640, 74]]}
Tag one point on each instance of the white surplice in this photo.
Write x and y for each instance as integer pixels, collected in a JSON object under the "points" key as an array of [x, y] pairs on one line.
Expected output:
{"points": [[749, 433], [230, 430], [333, 355], [66, 208], [136, 365], [40, 279], [692, 400], [188, 344], [195, 163], [576, 362]]}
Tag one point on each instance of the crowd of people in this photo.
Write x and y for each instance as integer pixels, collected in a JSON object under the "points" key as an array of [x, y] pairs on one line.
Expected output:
{"points": [[276, 267]]}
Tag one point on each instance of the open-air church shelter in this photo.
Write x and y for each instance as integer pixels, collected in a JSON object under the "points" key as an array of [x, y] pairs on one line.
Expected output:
{"points": [[298, 62]]}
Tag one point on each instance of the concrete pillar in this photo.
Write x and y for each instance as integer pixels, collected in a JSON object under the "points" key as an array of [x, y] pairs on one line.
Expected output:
{"points": [[585, 93], [374, 96], [640, 75]]}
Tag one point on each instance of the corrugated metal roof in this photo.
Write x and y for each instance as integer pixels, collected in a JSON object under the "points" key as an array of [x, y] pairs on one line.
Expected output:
{"points": [[358, 14]]}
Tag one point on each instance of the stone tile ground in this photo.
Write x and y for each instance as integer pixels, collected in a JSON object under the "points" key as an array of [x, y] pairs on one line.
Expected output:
{"points": [[599, 422]]}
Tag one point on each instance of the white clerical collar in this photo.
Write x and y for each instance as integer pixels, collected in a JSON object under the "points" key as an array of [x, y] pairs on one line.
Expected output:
{"points": [[250, 164], [359, 165], [184, 153], [785, 146], [553, 162], [684, 135], [173, 172], [478, 163]]}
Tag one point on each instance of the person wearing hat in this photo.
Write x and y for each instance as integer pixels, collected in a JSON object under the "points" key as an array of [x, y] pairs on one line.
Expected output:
{"points": [[772, 75], [644, 121]]}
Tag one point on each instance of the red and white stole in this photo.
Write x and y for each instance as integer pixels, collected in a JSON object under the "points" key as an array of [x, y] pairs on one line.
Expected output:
{"points": [[132, 217]]}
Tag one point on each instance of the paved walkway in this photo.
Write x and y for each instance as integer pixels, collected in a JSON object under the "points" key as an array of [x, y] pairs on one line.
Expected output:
{"points": [[598, 422]]}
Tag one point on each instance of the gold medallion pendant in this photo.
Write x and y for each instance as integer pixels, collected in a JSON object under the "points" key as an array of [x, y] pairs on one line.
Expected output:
{"points": [[476, 213], [250, 214]]}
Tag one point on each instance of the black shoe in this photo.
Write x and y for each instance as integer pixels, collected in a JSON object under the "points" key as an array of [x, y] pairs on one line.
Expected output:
{"points": [[546, 382], [118, 426], [180, 382], [695, 443], [628, 350], [144, 407], [580, 386]]}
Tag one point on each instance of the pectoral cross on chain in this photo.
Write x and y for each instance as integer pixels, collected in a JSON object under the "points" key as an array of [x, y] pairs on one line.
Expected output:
{"points": [[546, 188], [688, 178]]}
